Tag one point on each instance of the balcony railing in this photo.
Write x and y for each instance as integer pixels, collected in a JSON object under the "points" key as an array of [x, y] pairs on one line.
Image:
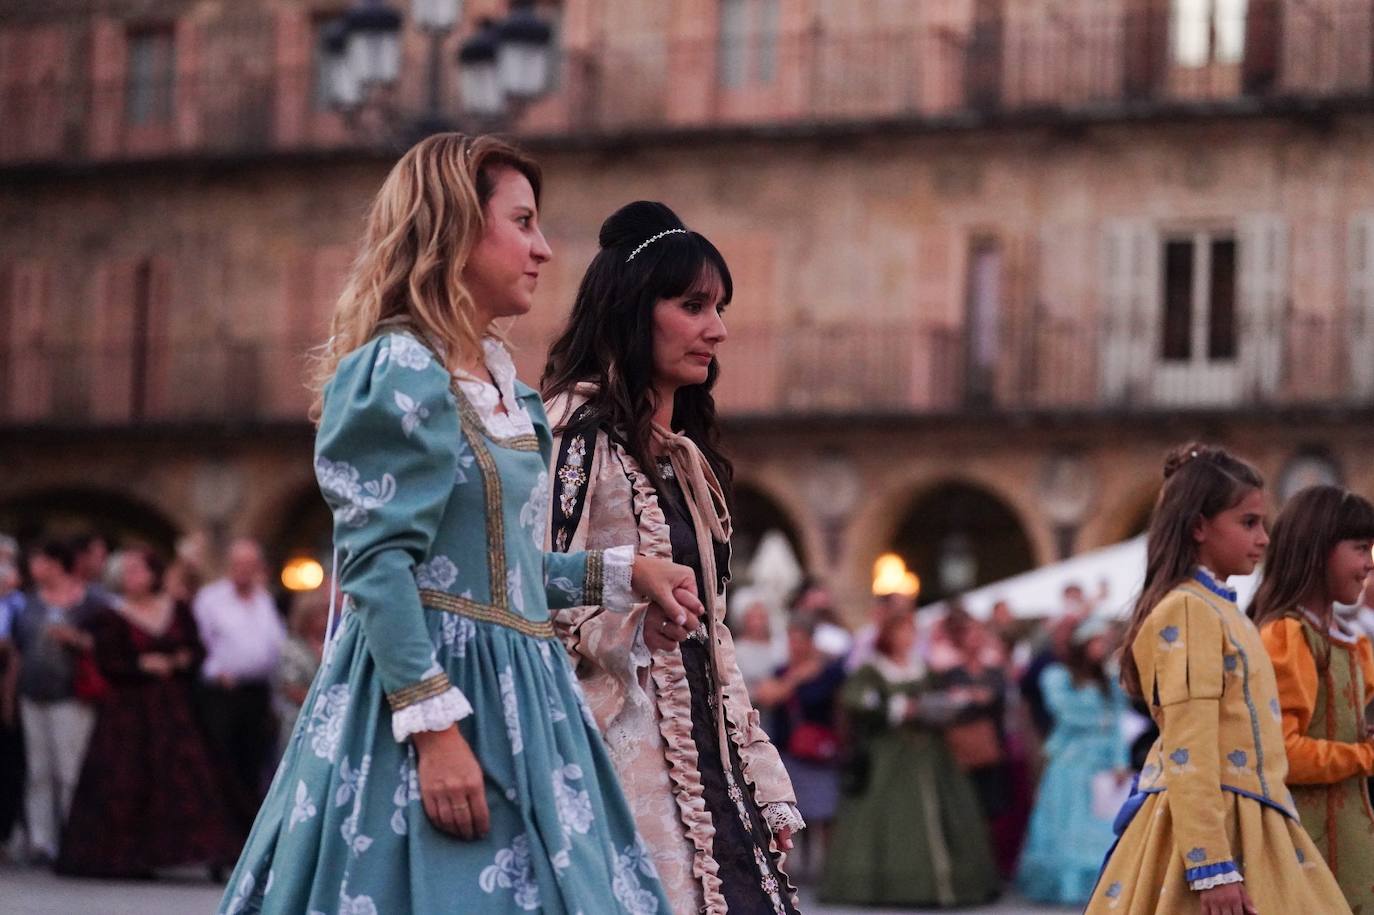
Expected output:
{"points": [[1043, 365], [946, 66]]}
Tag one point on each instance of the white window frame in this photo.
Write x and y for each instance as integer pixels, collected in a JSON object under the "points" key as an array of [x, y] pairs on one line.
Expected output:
{"points": [[1204, 32], [747, 43]]}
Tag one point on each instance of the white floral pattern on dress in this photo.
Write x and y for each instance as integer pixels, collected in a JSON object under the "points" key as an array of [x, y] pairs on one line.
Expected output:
{"points": [[356, 905], [242, 893], [629, 865], [351, 785], [515, 589], [353, 499], [438, 574], [513, 870], [574, 807], [456, 631], [404, 351], [571, 591], [535, 513], [511, 706], [351, 781], [552, 700], [303, 809], [407, 791], [327, 720], [412, 412], [465, 460]]}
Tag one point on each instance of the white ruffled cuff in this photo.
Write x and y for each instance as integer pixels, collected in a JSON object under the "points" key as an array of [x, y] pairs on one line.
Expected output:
{"points": [[1219, 880], [618, 563], [782, 815], [432, 714]]}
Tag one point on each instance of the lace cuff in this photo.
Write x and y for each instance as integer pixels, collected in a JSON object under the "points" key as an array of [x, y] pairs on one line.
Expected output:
{"points": [[430, 705], [782, 815], [616, 568], [640, 656], [1213, 875]]}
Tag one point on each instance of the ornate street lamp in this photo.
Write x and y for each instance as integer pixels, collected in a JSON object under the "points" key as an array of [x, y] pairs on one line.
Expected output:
{"points": [[501, 67]]}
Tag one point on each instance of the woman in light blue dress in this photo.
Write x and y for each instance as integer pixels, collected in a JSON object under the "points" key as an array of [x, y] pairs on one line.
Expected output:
{"points": [[1068, 840], [444, 760]]}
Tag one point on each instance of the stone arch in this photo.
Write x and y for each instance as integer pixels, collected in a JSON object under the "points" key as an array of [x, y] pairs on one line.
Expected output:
{"points": [[299, 524], [957, 525], [66, 510], [758, 510]]}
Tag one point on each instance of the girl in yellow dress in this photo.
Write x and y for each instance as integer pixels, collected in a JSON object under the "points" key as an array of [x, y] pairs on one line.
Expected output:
{"points": [[1211, 828], [1320, 556]]}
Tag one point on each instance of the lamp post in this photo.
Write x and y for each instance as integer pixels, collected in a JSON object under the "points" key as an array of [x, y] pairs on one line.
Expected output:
{"points": [[502, 66], [833, 487]]}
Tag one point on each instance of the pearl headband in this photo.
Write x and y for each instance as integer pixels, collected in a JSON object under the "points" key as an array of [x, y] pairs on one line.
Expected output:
{"points": [[647, 242]]}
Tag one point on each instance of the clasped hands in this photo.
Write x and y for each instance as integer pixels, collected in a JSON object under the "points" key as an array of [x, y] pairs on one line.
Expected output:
{"points": [[452, 784]]}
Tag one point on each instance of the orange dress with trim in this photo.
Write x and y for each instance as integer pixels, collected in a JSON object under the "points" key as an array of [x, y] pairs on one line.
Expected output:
{"points": [[1329, 757]]}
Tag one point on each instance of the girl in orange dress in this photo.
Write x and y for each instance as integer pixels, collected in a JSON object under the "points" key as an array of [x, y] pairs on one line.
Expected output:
{"points": [[1320, 555]]}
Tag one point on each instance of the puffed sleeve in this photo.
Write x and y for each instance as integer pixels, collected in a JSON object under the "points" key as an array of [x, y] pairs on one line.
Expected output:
{"points": [[1311, 761], [386, 460], [1181, 647]]}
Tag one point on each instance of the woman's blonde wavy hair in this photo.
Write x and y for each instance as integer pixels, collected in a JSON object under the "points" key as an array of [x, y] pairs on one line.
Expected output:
{"points": [[421, 228]]}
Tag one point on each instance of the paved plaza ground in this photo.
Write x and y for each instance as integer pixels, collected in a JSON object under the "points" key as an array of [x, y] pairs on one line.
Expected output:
{"points": [[35, 892]]}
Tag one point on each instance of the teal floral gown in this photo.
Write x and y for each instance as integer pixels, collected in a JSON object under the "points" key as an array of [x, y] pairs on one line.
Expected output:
{"points": [[1067, 842], [439, 500]]}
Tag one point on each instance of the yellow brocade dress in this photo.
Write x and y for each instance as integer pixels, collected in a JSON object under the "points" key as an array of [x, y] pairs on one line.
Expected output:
{"points": [[1211, 807]]}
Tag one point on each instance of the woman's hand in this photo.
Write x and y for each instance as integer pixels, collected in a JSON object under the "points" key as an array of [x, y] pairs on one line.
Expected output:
{"points": [[661, 632], [1230, 899], [669, 585], [451, 784], [70, 636], [155, 663], [784, 838]]}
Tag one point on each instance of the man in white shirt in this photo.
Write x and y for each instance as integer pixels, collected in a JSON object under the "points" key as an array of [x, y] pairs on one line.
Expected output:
{"points": [[243, 635]]}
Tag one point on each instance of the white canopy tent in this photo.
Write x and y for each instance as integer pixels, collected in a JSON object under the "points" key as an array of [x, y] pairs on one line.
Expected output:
{"points": [[1117, 570]]}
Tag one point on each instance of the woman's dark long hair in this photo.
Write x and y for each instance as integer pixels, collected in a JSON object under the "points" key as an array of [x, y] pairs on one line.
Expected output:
{"points": [[1200, 481], [609, 338], [1312, 522]]}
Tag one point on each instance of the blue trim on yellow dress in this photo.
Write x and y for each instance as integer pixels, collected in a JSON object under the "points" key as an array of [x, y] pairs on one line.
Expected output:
{"points": [[1194, 874]]}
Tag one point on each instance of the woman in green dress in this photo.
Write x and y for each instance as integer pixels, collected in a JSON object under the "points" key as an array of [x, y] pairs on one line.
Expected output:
{"points": [[444, 759], [910, 831]]}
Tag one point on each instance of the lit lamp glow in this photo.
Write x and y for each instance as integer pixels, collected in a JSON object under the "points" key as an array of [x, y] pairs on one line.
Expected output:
{"points": [[302, 574], [890, 576]]}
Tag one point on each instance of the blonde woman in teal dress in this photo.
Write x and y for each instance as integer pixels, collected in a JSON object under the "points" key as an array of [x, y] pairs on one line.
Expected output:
{"points": [[444, 760]]}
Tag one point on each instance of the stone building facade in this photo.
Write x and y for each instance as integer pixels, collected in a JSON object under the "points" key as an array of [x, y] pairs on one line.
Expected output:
{"points": [[992, 257]]}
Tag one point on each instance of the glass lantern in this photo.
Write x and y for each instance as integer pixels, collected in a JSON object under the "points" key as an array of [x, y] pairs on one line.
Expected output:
{"points": [[374, 44], [524, 52], [436, 15], [478, 77], [343, 89]]}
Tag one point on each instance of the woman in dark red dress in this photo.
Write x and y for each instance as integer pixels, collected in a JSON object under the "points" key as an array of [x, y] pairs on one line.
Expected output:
{"points": [[150, 796]]}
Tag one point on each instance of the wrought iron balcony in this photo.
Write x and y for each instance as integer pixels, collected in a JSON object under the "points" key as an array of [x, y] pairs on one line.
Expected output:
{"points": [[1030, 366], [949, 65]]}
